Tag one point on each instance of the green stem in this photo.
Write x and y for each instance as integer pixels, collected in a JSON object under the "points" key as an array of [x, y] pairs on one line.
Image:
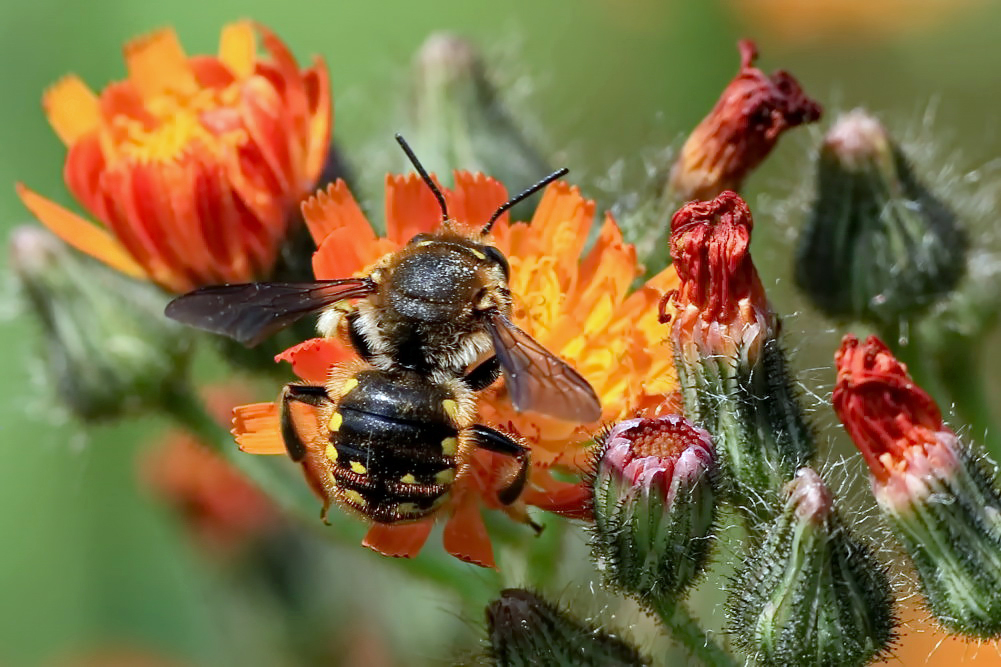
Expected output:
{"points": [[687, 631], [183, 404], [960, 372]]}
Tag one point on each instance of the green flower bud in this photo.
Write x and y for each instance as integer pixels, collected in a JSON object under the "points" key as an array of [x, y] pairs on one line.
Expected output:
{"points": [[810, 594], [878, 245], [939, 494], [654, 506], [731, 368], [527, 630], [458, 121], [109, 348]]}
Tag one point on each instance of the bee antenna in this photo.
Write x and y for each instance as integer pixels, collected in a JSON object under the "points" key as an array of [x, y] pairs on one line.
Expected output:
{"points": [[559, 173], [424, 175]]}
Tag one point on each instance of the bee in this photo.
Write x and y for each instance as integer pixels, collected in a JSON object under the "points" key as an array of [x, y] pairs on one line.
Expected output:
{"points": [[388, 445], [433, 308], [390, 433]]}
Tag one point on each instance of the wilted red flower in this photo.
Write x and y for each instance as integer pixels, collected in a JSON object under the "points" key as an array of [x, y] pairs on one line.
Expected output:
{"points": [[580, 308], [193, 164], [895, 423], [741, 130], [720, 307]]}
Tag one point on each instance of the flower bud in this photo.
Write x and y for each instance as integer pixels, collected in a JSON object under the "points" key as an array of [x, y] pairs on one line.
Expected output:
{"points": [[654, 505], [810, 594], [731, 369], [458, 121], [939, 494], [894, 247], [109, 347], [741, 130], [525, 630]]}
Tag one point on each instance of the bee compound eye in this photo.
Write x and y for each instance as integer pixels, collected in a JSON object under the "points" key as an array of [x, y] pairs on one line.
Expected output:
{"points": [[498, 257]]}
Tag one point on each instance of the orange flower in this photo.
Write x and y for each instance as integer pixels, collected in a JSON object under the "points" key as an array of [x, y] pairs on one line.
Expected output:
{"points": [[582, 309], [741, 130], [193, 164]]}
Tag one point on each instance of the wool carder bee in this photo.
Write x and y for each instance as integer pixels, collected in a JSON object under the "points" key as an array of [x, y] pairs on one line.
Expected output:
{"points": [[431, 323]]}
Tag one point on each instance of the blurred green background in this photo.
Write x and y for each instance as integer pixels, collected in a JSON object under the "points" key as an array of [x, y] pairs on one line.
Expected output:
{"points": [[88, 561]]}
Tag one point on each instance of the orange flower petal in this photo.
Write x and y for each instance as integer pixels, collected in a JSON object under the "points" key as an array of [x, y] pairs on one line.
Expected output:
{"points": [[72, 109], [257, 429], [312, 359], [562, 222], [267, 121], [411, 208], [336, 208], [82, 235], [571, 500], [293, 90], [238, 48], [157, 64], [339, 256], [465, 535], [398, 540], [82, 173], [475, 198], [317, 83]]}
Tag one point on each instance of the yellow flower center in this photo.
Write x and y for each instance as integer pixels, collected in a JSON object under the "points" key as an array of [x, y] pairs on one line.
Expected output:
{"points": [[208, 117]]}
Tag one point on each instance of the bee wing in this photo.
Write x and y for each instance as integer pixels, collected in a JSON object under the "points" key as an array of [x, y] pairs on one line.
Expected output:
{"points": [[538, 380], [250, 312]]}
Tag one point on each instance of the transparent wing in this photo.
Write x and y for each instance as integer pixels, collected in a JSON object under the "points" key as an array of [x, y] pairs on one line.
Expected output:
{"points": [[538, 380], [250, 312]]}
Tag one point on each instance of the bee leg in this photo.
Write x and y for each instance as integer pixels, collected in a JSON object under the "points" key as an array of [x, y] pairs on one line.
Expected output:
{"points": [[483, 375], [358, 341], [495, 441], [301, 393]]}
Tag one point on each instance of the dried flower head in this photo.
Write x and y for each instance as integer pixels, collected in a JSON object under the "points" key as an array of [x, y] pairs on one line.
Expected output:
{"points": [[939, 494], [732, 371], [193, 165], [741, 130]]}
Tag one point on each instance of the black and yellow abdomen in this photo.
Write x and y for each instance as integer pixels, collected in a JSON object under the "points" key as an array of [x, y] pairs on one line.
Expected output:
{"points": [[393, 445]]}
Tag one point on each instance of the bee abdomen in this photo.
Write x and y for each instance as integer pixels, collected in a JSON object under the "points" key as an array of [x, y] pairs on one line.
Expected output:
{"points": [[391, 462]]}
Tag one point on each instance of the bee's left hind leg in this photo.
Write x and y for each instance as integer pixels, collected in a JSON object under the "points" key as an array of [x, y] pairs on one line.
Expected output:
{"points": [[495, 441], [300, 393]]}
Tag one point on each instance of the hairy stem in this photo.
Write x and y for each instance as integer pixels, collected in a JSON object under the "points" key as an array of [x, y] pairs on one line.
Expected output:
{"points": [[687, 632]]}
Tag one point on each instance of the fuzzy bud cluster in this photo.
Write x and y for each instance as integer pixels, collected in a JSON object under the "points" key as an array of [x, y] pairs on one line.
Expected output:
{"points": [[109, 348]]}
